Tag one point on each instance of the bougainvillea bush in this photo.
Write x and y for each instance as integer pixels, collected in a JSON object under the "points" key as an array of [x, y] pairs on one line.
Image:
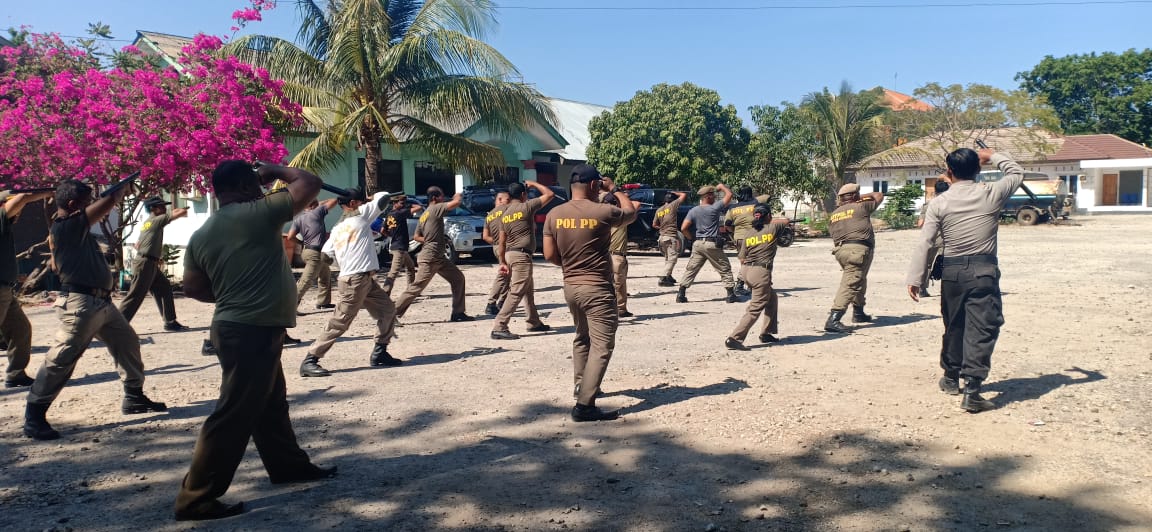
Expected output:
{"points": [[62, 116]]}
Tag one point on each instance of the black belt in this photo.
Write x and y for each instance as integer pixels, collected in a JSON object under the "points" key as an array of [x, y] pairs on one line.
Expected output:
{"points": [[314, 248], [708, 238], [86, 290], [964, 260], [861, 242], [765, 265]]}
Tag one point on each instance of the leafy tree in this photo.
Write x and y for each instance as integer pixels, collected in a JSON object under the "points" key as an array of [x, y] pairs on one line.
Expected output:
{"points": [[670, 135], [847, 125], [962, 114], [898, 207], [783, 154], [1105, 93], [406, 73]]}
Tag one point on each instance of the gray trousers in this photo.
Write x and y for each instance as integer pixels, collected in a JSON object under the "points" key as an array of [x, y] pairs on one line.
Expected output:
{"points": [[83, 318], [147, 277], [710, 252], [17, 330], [355, 292], [316, 268]]}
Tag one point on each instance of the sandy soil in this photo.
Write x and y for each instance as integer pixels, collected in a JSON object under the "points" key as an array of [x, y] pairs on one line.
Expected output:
{"points": [[819, 432]]}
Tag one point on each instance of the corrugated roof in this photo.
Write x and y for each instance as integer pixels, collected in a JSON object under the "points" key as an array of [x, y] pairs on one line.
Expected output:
{"points": [[1104, 146], [572, 122], [164, 44]]}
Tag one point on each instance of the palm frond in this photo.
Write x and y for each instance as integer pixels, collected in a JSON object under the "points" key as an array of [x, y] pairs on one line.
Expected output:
{"points": [[453, 150], [282, 59], [474, 18], [457, 102], [315, 30], [322, 153]]}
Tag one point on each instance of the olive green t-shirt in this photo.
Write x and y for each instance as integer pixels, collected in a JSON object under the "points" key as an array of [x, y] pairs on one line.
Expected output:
{"points": [[740, 215], [760, 246], [151, 243], [666, 218], [519, 224], [852, 221], [7, 248], [77, 254], [431, 227], [241, 251]]}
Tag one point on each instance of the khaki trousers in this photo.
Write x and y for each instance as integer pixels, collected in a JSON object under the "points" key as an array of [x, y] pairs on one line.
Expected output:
{"points": [[426, 269], [520, 287], [147, 277], [15, 328], [83, 318], [670, 248], [499, 288], [401, 261], [710, 252], [316, 268], [253, 405], [620, 280], [353, 293], [593, 309], [764, 301], [855, 261]]}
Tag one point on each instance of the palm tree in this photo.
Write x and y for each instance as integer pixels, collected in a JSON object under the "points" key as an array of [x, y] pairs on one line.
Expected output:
{"points": [[398, 72], [846, 125]]}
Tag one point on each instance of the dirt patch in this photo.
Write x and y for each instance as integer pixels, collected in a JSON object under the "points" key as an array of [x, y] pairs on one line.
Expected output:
{"points": [[816, 433]]}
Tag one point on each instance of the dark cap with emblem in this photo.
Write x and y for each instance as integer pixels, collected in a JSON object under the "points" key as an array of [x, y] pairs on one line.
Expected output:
{"points": [[155, 201], [585, 173], [354, 193]]}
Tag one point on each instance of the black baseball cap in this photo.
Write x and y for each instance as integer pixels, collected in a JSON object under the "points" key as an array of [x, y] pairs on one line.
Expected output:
{"points": [[585, 173], [354, 193], [155, 201]]}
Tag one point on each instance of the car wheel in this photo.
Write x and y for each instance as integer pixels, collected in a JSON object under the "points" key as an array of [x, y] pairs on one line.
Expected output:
{"points": [[787, 237], [1027, 216], [450, 253]]}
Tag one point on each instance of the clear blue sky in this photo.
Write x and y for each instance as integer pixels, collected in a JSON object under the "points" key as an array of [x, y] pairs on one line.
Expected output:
{"points": [[749, 56]]}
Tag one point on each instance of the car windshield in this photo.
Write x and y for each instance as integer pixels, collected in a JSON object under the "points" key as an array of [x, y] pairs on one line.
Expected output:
{"points": [[460, 211]]}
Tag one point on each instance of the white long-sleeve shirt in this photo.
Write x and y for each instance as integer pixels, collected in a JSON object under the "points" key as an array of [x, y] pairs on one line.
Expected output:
{"points": [[351, 240]]}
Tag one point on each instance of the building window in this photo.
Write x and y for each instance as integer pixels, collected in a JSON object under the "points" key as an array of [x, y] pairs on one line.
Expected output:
{"points": [[880, 186], [389, 174], [1130, 187], [430, 174], [1073, 182]]}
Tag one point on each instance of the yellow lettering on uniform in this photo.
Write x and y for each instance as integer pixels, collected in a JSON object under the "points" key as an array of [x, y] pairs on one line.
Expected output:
{"points": [[756, 240], [663, 212], [493, 216], [514, 217], [147, 225], [841, 216], [423, 216], [588, 223], [565, 223]]}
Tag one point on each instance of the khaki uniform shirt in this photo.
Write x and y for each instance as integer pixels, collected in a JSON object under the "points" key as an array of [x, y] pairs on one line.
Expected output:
{"points": [[431, 227], [151, 242], [740, 215], [241, 251], [581, 231], [7, 249], [518, 223], [852, 221], [760, 246], [967, 217], [492, 221], [666, 219], [77, 254]]}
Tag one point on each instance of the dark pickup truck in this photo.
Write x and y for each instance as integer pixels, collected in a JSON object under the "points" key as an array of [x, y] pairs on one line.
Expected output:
{"points": [[641, 233]]}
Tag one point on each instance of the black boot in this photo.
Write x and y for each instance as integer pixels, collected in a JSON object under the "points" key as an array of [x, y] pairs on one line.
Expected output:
{"points": [[858, 315], [833, 324], [311, 368], [667, 280], [492, 309], [682, 295], [36, 425], [135, 402], [207, 349], [592, 413], [740, 290], [973, 402], [19, 382], [734, 344], [381, 358], [731, 298], [924, 292], [950, 385]]}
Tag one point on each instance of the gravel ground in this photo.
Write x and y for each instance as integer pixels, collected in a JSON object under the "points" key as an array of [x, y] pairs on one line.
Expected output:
{"points": [[819, 432]]}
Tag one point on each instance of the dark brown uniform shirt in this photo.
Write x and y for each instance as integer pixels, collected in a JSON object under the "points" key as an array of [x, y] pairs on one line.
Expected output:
{"points": [[581, 231], [151, 243], [760, 246], [518, 222], [77, 255], [431, 227], [852, 221], [666, 219]]}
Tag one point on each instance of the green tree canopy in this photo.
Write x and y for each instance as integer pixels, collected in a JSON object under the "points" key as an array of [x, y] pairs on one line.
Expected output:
{"points": [[783, 154], [847, 127], [670, 135], [961, 114], [1105, 93], [398, 72]]}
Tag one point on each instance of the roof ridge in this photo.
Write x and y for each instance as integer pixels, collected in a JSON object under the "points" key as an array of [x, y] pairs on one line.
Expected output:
{"points": [[579, 102], [164, 34]]}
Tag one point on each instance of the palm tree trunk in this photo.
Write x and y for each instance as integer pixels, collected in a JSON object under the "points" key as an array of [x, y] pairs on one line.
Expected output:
{"points": [[370, 139]]}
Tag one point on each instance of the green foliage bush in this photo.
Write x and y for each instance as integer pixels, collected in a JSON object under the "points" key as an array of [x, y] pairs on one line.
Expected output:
{"points": [[899, 207]]}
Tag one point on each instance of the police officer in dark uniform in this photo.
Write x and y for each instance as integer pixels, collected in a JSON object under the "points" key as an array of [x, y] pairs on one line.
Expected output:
{"points": [[396, 224], [236, 260], [576, 238], [14, 325], [146, 274], [759, 249], [85, 310], [850, 227], [967, 220]]}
